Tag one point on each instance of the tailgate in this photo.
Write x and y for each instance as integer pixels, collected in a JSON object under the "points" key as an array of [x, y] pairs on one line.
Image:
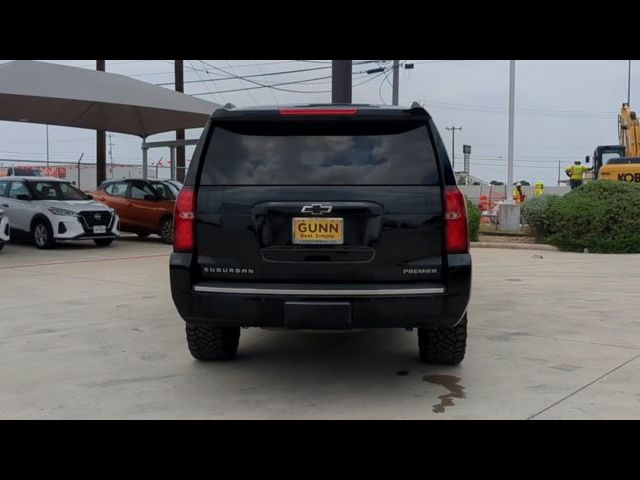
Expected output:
{"points": [[389, 234]]}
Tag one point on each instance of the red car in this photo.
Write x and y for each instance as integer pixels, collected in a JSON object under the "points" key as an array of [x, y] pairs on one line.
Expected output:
{"points": [[144, 206]]}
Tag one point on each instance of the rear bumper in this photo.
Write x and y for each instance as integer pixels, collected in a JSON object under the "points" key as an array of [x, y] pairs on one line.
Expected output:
{"points": [[345, 306]]}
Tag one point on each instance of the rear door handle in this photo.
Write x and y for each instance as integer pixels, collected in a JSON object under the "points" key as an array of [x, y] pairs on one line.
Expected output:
{"points": [[5, 205]]}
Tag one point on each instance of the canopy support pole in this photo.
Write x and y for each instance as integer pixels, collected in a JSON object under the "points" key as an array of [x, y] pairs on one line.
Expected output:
{"points": [[145, 150]]}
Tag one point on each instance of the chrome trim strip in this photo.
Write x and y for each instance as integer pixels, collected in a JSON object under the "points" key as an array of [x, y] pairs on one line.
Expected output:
{"points": [[320, 292]]}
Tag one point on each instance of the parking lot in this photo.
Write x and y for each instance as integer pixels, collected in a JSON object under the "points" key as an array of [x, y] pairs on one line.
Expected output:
{"points": [[88, 332]]}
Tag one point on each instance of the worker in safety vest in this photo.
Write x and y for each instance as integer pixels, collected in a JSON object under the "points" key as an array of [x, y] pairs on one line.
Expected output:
{"points": [[518, 194], [538, 189], [576, 173]]}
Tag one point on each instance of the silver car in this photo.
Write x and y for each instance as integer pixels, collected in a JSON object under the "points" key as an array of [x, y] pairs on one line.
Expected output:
{"points": [[49, 210], [4, 229]]}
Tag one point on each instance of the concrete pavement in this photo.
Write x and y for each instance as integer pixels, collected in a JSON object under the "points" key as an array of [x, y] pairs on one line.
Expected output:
{"points": [[89, 332]]}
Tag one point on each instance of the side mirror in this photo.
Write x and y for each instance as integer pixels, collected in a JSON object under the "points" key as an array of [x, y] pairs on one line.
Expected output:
{"points": [[89, 196], [23, 196], [587, 159]]}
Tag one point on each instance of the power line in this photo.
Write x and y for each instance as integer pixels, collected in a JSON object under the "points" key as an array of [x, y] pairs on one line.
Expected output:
{"points": [[270, 90], [258, 83], [206, 86], [369, 79], [542, 157], [273, 86], [276, 85], [278, 62], [232, 74], [245, 65], [242, 80], [216, 87], [521, 111], [526, 166], [362, 62], [286, 72]]}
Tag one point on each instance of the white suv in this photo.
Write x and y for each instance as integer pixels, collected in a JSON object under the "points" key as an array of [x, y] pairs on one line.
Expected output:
{"points": [[4, 229], [49, 210]]}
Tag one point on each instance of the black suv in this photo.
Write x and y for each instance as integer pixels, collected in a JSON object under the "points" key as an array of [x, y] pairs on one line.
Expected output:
{"points": [[321, 217]]}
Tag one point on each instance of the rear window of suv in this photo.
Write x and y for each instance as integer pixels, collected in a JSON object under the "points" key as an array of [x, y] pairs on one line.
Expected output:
{"points": [[320, 154]]}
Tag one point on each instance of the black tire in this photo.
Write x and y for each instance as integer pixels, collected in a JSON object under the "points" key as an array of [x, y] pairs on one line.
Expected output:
{"points": [[444, 345], [103, 242], [212, 343], [143, 235], [42, 234], [166, 230]]}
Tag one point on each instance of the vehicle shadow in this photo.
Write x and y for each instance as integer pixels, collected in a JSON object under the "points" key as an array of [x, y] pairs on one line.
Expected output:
{"points": [[132, 238], [340, 363], [89, 244]]}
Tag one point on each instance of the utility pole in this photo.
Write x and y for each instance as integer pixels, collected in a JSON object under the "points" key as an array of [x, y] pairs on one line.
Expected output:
{"points": [[512, 93], [559, 172], [396, 82], [111, 152], [47, 146], [341, 75], [453, 145], [180, 161], [101, 157]]}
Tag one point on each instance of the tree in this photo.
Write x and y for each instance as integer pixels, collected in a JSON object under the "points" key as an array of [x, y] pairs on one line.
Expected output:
{"points": [[495, 182]]}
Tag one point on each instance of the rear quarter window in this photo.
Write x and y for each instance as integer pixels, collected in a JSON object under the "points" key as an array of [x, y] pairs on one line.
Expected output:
{"points": [[320, 155], [116, 189]]}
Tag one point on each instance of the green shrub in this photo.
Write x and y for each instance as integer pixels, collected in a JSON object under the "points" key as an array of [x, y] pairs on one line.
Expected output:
{"points": [[473, 221], [602, 216], [534, 213]]}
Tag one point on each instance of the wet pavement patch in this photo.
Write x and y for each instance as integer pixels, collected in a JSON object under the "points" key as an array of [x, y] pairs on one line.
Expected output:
{"points": [[451, 383]]}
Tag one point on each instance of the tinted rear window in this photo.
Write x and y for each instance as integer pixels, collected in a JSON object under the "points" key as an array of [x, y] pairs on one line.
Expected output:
{"points": [[320, 155]]}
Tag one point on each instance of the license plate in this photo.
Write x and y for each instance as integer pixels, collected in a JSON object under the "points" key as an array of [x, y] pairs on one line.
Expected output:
{"points": [[99, 229], [318, 230]]}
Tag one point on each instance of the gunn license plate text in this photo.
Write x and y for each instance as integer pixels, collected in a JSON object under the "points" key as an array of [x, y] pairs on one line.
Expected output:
{"points": [[318, 230]]}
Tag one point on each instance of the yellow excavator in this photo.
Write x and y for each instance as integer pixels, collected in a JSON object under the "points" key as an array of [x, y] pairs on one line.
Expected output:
{"points": [[620, 162]]}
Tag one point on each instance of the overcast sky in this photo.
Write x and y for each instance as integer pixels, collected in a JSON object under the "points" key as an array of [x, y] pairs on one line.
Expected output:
{"points": [[563, 108]]}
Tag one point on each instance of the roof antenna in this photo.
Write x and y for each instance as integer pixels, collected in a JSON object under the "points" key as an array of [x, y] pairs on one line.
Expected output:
{"points": [[416, 105], [229, 106]]}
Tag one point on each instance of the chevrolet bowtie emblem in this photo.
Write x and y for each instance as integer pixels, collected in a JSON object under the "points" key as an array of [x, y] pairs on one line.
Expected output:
{"points": [[316, 209]]}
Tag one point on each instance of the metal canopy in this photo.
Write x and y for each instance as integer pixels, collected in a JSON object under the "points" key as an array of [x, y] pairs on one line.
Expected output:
{"points": [[40, 92]]}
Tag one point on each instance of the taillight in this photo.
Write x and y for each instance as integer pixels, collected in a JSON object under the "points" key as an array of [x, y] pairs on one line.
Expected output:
{"points": [[184, 221], [318, 111], [455, 215]]}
